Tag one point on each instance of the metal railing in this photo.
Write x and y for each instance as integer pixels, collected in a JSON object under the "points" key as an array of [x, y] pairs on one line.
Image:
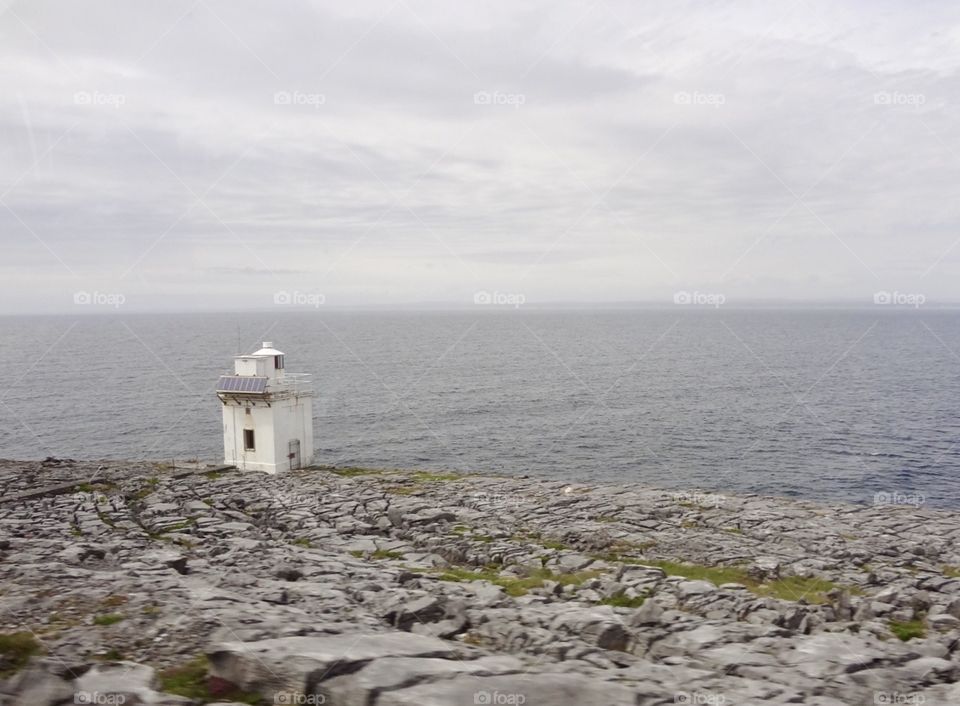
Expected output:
{"points": [[292, 383]]}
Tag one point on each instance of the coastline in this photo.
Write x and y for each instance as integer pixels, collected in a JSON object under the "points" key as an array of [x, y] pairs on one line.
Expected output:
{"points": [[402, 587]]}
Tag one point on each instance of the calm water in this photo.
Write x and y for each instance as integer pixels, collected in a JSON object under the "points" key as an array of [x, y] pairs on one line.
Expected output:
{"points": [[820, 404]]}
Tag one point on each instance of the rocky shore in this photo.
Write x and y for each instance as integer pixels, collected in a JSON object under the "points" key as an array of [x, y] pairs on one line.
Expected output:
{"points": [[140, 583]]}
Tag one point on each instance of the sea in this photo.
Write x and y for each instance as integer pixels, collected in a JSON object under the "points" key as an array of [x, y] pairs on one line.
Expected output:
{"points": [[851, 405]]}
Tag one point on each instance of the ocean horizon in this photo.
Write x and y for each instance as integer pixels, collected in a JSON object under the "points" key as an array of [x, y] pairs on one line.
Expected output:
{"points": [[835, 405]]}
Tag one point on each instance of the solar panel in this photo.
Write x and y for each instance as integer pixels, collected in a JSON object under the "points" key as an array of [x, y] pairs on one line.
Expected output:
{"points": [[241, 383]]}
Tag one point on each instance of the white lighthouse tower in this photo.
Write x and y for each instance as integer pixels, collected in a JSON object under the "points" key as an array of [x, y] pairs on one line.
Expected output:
{"points": [[267, 414]]}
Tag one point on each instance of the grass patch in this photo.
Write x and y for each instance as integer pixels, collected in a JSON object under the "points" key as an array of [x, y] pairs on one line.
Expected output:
{"points": [[151, 610], [788, 588], [16, 649], [951, 572], [213, 475], [302, 542], [907, 629], [428, 477], [516, 586], [192, 680], [386, 554], [352, 471], [621, 600], [106, 619]]}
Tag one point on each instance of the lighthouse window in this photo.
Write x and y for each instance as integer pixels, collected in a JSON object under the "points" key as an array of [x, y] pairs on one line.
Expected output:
{"points": [[248, 442], [278, 362]]}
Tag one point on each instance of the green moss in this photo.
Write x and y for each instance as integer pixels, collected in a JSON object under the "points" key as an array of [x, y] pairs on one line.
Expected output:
{"points": [[16, 649], [733, 530], [107, 619], [213, 475], [621, 600], [460, 530], [302, 542], [516, 586], [715, 574], [192, 680], [428, 477], [907, 629], [788, 588], [951, 572], [386, 554], [351, 471]]}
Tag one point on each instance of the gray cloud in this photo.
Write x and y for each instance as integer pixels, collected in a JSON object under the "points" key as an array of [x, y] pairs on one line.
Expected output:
{"points": [[404, 151]]}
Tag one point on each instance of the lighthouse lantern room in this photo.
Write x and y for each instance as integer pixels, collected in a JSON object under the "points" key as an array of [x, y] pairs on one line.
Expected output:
{"points": [[267, 414]]}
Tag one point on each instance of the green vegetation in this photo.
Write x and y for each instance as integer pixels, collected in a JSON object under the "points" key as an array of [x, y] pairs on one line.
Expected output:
{"points": [[621, 600], [302, 542], [192, 680], [428, 477], [386, 554], [788, 588], [107, 619], [213, 475], [111, 655], [516, 586], [951, 572], [907, 629], [351, 471], [16, 649]]}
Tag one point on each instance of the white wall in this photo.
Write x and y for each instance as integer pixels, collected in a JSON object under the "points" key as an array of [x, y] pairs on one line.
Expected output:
{"points": [[274, 427]]}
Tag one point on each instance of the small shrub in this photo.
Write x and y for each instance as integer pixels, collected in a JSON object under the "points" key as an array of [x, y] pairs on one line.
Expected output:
{"points": [[106, 619], [907, 629], [16, 649]]}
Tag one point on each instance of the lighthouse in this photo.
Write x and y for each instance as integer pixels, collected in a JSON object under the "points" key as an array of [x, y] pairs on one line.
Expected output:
{"points": [[267, 414]]}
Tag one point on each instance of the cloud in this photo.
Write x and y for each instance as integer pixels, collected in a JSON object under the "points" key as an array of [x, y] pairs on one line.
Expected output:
{"points": [[404, 151]]}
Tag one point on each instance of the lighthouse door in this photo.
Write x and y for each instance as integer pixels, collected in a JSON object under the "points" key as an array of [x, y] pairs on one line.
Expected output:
{"points": [[294, 454]]}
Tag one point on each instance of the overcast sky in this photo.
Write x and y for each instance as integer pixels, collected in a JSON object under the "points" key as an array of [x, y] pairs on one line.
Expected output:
{"points": [[212, 154]]}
